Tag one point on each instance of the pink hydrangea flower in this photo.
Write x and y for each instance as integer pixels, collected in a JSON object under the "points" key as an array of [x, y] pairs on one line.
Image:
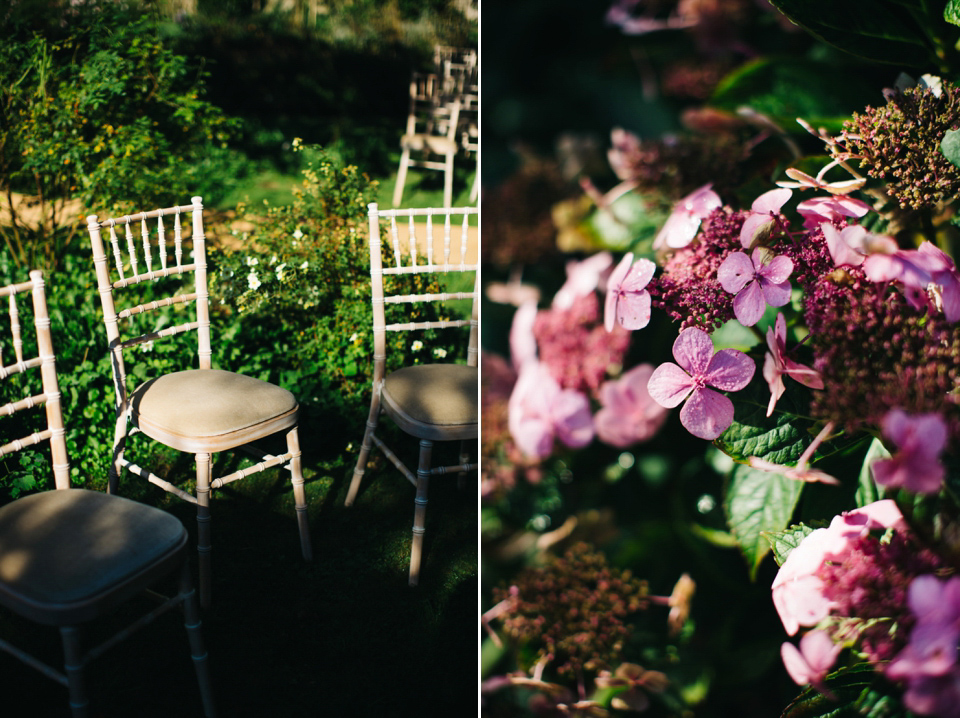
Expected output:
{"points": [[682, 224], [916, 466], [762, 217], [628, 301], [851, 245], [817, 210], [776, 365], [932, 647], [812, 661], [523, 343], [934, 695], [945, 281], [706, 413], [629, 413], [757, 280], [582, 278], [540, 412], [798, 593]]}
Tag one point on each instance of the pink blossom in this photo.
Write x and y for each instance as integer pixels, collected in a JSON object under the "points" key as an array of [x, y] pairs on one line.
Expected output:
{"points": [[523, 343], [758, 280], [582, 278], [932, 647], [919, 439], [707, 413], [802, 471], [762, 217], [851, 245], [829, 209], [539, 412], [805, 181], [935, 695], [776, 364], [814, 659], [945, 281], [629, 414], [798, 593], [628, 301], [682, 224], [914, 269]]}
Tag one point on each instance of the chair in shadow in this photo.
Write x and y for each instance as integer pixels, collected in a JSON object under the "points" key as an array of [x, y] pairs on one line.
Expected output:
{"points": [[429, 402], [201, 411], [71, 556]]}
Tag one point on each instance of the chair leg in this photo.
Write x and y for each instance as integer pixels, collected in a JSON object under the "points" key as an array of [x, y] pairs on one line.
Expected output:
{"points": [[465, 446], [299, 494], [401, 177], [198, 651], [203, 527], [448, 182], [73, 665], [361, 466], [420, 509], [119, 443]]}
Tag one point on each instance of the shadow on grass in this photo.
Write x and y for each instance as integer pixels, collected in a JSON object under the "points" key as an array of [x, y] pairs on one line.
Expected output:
{"points": [[343, 635]]}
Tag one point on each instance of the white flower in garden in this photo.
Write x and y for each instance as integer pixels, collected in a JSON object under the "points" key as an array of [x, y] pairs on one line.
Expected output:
{"points": [[147, 346], [253, 281], [297, 142], [252, 261], [305, 265], [279, 270], [354, 336], [440, 353], [297, 234], [417, 345]]}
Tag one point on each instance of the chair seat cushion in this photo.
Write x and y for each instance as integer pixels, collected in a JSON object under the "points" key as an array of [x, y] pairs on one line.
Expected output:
{"points": [[204, 404], [65, 552], [434, 401], [437, 145]]}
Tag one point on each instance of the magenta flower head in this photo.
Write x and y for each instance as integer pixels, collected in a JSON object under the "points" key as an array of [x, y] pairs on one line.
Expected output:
{"points": [[682, 224], [829, 209], [932, 647], [777, 364], [629, 413], [628, 301], [762, 217], [916, 465], [539, 411], [707, 413], [813, 660], [757, 280]]}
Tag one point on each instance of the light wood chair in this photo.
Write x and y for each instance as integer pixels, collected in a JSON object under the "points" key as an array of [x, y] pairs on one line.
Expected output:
{"points": [[69, 556], [431, 138], [201, 411], [431, 402]]}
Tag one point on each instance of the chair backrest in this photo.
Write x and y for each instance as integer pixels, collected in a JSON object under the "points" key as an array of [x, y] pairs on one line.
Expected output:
{"points": [[431, 111], [153, 275], [23, 362], [412, 251]]}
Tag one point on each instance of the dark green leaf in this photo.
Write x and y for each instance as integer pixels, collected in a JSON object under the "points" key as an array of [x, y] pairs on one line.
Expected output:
{"points": [[783, 542], [950, 146], [867, 491], [878, 30], [849, 687], [757, 503]]}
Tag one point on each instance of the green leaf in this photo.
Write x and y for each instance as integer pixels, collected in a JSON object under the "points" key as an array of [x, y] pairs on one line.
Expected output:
{"points": [[867, 491], [757, 503], [780, 438], [951, 13], [858, 691], [950, 146], [783, 542], [878, 30]]}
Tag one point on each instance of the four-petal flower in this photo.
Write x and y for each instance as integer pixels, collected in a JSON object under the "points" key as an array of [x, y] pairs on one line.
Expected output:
{"points": [[916, 465], [707, 413], [757, 280], [628, 301]]}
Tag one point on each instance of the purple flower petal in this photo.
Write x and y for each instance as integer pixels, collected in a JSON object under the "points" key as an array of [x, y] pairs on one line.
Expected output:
{"points": [[735, 272], [693, 349], [771, 201], [678, 231], [573, 420], [669, 385], [755, 228], [707, 414], [639, 276], [730, 370], [633, 310], [777, 270], [776, 295], [613, 290], [749, 305]]}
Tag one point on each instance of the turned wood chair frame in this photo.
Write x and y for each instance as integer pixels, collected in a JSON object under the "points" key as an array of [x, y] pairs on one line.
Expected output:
{"points": [[127, 413], [77, 515], [406, 263]]}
